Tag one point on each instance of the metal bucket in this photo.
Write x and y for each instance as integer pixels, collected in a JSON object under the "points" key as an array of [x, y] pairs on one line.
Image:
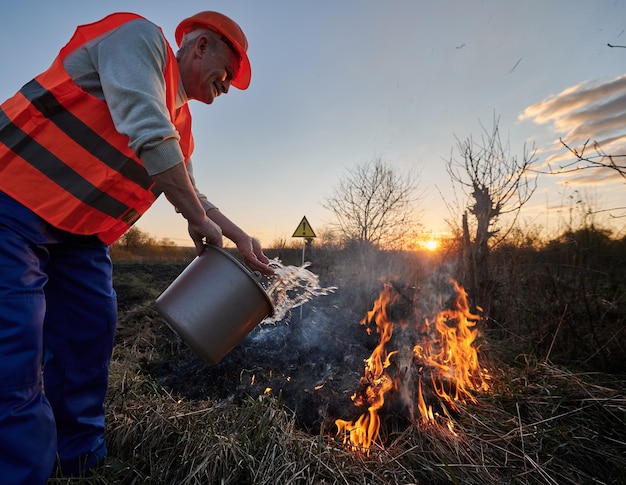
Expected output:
{"points": [[214, 303]]}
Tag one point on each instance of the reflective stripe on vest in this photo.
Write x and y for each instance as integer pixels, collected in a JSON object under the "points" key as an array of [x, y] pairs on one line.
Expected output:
{"points": [[61, 156]]}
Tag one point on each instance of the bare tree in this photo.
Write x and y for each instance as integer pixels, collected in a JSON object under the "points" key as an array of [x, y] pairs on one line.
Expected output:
{"points": [[495, 183], [374, 204]]}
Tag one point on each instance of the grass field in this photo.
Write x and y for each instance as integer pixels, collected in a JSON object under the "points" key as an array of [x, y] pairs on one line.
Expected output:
{"points": [[554, 412]]}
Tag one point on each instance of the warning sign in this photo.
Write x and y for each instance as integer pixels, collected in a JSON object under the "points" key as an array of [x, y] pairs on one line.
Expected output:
{"points": [[304, 229]]}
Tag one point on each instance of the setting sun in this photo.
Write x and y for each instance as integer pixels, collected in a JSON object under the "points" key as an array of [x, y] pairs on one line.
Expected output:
{"points": [[430, 245], [428, 242]]}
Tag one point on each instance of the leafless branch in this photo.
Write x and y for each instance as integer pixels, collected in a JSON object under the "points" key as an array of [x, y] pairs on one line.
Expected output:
{"points": [[601, 159]]}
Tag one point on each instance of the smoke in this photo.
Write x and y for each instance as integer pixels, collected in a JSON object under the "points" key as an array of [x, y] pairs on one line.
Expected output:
{"points": [[314, 356]]}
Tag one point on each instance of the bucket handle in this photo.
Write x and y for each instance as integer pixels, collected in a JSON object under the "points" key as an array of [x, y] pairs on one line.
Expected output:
{"points": [[255, 274]]}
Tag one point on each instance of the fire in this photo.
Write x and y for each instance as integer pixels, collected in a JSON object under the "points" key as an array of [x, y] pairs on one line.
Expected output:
{"points": [[440, 365]]}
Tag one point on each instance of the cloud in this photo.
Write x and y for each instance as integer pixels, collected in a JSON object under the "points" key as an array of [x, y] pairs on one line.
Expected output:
{"points": [[595, 178], [581, 94], [589, 116]]}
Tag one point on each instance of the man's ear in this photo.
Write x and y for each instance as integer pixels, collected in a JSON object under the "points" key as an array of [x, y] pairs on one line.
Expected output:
{"points": [[202, 44]]}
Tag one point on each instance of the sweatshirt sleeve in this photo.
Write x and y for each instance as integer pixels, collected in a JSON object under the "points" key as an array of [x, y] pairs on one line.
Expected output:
{"points": [[129, 63]]}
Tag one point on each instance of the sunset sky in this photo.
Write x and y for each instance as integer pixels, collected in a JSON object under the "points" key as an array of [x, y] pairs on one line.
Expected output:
{"points": [[337, 83]]}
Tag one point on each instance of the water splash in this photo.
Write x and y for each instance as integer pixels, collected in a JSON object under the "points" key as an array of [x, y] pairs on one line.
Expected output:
{"points": [[290, 287]]}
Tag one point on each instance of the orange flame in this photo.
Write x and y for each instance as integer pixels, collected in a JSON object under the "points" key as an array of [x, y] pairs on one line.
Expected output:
{"points": [[445, 360]]}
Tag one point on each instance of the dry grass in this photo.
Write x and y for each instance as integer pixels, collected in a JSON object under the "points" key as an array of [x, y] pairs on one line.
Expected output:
{"points": [[540, 424]]}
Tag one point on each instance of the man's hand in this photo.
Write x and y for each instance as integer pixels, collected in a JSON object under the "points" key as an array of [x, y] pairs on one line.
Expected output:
{"points": [[252, 254], [208, 232]]}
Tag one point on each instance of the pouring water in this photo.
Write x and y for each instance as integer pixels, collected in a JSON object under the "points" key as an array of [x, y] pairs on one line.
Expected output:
{"points": [[290, 287]]}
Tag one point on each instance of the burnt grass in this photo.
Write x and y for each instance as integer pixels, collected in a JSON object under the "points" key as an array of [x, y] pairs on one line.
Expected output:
{"points": [[553, 337], [312, 360]]}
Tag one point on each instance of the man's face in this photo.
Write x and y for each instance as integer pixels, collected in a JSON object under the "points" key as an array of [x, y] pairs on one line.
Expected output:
{"points": [[207, 70]]}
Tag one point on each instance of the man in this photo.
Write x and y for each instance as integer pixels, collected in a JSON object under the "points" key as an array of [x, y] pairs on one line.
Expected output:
{"points": [[85, 149]]}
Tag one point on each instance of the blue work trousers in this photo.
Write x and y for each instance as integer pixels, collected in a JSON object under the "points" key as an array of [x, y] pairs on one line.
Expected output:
{"points": [[58, 313]]}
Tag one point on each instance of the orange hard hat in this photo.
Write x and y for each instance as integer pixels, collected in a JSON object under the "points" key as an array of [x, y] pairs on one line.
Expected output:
{"points": [[230, 30]]}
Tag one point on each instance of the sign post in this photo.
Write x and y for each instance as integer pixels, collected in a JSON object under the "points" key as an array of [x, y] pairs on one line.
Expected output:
{"points": [[305, 231]]}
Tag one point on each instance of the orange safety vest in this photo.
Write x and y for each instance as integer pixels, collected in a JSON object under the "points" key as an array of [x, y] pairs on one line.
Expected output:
{"points": [[61, 156]]}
